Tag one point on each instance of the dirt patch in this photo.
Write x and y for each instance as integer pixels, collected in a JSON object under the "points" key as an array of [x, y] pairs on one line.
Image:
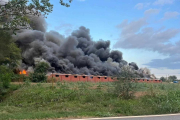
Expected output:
{"points": [[140, 94]]}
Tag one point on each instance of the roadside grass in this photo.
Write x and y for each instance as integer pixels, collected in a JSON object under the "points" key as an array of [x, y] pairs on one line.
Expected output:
{"points": [[7, 91], [81, 100]]}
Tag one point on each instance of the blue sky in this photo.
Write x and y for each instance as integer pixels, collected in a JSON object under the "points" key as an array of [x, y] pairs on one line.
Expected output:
{"points": [[146, 31]]}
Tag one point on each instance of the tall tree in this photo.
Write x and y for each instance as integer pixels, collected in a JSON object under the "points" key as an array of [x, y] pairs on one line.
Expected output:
{"points": [[10, 54], [13, 13]]}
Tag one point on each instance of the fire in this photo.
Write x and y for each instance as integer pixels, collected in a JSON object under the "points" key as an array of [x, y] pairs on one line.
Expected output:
{"points": [[23, 72]]}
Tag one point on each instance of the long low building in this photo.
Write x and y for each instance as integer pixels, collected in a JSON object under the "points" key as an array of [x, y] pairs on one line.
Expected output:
{"points": [[81, 78], [92, 78], [144, 80]]}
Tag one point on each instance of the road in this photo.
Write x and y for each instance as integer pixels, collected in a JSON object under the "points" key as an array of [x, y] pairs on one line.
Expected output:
{"points": [[148, 117]]}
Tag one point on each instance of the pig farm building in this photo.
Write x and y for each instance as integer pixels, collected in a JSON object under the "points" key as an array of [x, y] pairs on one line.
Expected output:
{"points": [[92, 78]]}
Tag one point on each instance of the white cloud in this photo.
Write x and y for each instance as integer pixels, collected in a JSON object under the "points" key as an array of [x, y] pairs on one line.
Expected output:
{"points": [[132, 27], [151, 11], [136, 35], [169, 15], [163, 2], [165, 72], [140, 6]]}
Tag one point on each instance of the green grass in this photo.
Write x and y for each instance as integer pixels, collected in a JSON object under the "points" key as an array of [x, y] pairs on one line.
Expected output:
{"points": [[5, 91], [78, 100]]}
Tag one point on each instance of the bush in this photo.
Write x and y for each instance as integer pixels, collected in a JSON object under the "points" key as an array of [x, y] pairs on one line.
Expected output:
{"points": [[39, 74], [38, 77], [5, 77], [19, 78], [125, 88]]}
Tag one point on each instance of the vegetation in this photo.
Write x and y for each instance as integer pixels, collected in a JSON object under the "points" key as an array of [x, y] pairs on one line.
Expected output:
{"points": [[163, 79], [78, 100], [124, 86], [5, 78], [40, 72], [169, 79], [172, 78], [10, 54], [69, 99], [14, 14]]}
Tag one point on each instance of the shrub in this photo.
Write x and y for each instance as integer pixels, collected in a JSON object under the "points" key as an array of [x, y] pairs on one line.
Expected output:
{"points": [[38, 77], [125, 88], [5, 76], [5, 79], [39, 74]]}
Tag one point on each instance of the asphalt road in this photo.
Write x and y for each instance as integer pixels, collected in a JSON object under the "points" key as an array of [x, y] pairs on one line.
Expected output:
{"points": [[148, 117]]}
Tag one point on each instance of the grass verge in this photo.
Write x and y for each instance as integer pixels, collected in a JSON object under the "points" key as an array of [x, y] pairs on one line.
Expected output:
{"points": [[78, 100]]}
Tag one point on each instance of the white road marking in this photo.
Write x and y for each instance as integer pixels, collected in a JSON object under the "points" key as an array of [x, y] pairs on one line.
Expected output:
{"points": [[144, 116]]}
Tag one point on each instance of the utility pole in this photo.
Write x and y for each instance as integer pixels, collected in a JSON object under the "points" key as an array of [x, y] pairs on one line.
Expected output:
{"points": [[52, 79]]}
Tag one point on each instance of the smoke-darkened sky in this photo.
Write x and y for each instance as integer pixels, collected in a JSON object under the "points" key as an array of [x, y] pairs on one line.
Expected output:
{"points": [[145, 31]]}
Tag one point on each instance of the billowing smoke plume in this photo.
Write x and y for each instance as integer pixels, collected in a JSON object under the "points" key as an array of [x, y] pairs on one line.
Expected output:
{"points": [[76, 54], [134, 65]]}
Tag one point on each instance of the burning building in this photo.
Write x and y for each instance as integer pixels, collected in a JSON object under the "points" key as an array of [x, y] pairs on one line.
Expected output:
{"points": [[23, 72], [75, 54]]}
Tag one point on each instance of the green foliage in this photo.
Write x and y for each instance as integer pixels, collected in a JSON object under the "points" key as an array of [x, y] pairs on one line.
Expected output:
{"points": [[5, 77], [10, 54], [39, 74], [14, 55], [65, 4], [72, 100], [172, 78], [19, 78], [42, 67], [27, 83], [125, 88], [13, 14], [38, 77], [5, 39], [163, 79]]}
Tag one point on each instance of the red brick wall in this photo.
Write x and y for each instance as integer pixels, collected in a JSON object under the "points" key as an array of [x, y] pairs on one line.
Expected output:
{"points": [[83, 78], [66, 77], [75, 78], [91, 78]]}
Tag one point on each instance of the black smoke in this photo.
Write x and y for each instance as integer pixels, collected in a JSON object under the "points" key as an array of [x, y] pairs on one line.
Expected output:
{"points": [[75, 54]]}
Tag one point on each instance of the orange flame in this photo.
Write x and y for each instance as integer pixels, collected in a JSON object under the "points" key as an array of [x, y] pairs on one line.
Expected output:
{"points": [[23, 72]]}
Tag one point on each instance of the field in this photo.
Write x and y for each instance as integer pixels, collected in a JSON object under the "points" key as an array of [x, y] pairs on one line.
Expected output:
{"points": [[81, 100]]}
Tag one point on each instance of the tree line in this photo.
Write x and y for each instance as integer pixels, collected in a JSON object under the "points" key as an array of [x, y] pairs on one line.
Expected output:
{"points": [[169, 78], [13, 17]]}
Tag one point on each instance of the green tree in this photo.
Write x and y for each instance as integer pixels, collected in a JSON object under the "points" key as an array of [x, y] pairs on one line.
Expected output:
{"points": [[13, 14], [163, 79], [172, 78], [40, 71], [10, 54]]}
